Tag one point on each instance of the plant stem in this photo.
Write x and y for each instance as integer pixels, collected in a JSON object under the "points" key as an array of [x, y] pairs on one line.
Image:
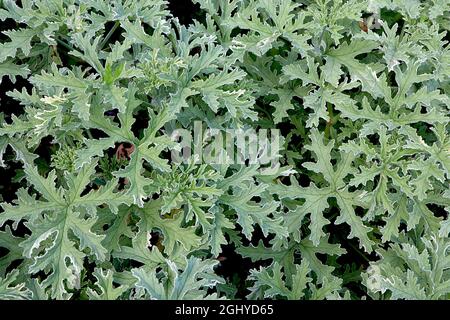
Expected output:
{"points": [[359, 252], [110, 33], [330, 121], [65, 45], [88, 131]]}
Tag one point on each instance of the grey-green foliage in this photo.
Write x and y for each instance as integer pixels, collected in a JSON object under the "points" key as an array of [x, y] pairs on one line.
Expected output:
{"points": [[409, 271], [360, 89]]}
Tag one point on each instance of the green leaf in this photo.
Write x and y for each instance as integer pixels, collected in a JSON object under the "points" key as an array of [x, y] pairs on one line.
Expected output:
{"points": [[189, 284], [345, 55], [11, 291], [20, 39], [271, 279], [316, 198], [7, 68], [106, 286]]}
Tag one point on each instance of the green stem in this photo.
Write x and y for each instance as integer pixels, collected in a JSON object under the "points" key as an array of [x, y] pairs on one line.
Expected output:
{"points": [[88, 131], [263, 111], [317, 48], [65, 45], [330, 121], [359, 252], [110, 33], [69, 47], [69, 141], [225, 34]]}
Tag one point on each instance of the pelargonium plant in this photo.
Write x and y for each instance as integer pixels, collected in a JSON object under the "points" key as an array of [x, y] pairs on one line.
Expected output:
{"points": [[224, 149]]}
